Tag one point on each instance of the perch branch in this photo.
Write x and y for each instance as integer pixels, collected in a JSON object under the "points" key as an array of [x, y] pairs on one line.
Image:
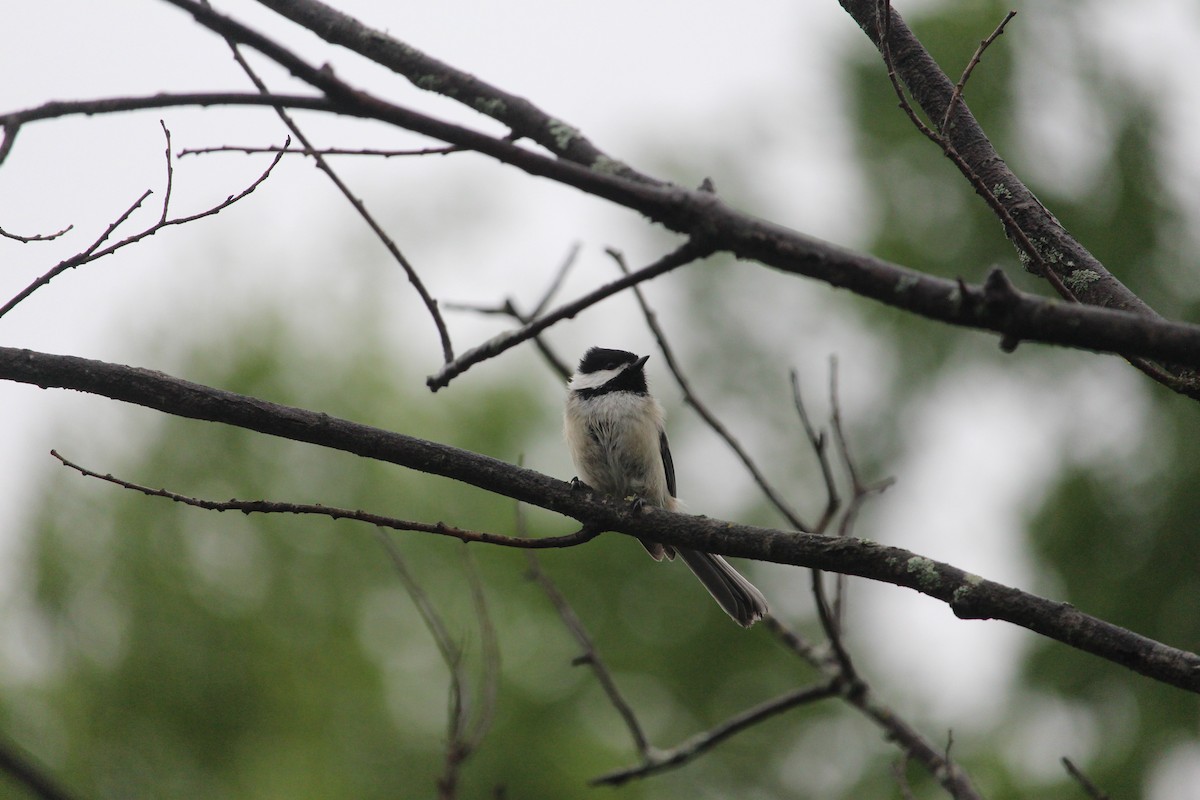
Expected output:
{"points": [[969, 596]]}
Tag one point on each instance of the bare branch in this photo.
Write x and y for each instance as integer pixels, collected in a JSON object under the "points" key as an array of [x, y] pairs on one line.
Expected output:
{"points": [[378, 520], [324, 151], [76, 260], [710, 419], [974, 62], [92, 253], [509, 309], [860, 696], [355, 201], [590, 655], [1017, 316], [1045, 247], [969, 596], [1092, 790], [687, 253], [41, 237], [425, 72], [677, 756]]}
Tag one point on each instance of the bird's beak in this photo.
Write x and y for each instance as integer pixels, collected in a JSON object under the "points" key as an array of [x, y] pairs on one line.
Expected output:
{"points": [[641, 362]]}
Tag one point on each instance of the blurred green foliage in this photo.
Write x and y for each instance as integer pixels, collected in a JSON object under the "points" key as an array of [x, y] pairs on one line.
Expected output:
{"points": [[201, 655], [1114, 538], [208, 655]]}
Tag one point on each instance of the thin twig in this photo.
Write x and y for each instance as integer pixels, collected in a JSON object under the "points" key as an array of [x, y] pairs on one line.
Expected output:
{"points": [[166, 203], [860, 696], [956, 95], [272, 507], [509, 309], [689, 397], [1092, 790], [323, 151], [689, 251], [457, 749], [831, 625], [40, 237], [702, 742], [590, 655], [93, 252], [560, 276], [820, 446], [409, 270], [860, 491]]}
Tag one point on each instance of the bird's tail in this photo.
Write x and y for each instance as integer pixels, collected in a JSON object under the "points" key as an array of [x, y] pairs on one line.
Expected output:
{"points": [[738, 596]]}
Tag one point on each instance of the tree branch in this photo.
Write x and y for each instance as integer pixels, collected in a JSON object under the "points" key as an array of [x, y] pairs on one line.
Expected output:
{"points": [[1044, 246], [969, 596], [356, 202], [425, 72], [996, 306], [315, 509], [676, 756]]}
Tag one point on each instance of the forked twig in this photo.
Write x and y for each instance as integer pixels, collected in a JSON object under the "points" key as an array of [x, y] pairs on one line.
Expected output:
{"points": [[509, 309], [820, 447], [470, 714], [95, 250], [689, 251]]}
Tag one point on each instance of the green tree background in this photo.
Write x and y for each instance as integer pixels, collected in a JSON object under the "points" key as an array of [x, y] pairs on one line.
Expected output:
{"points": [[194, 654]]}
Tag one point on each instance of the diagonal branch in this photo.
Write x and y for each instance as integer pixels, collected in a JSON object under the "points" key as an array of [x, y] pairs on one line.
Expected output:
{"points": [[94, 251], [773, 496], [935, 93], [996, 306], [333, 512], [425, 72], [685, 254], [590, 655], [702, 742], [356, 202], [969, 596]]}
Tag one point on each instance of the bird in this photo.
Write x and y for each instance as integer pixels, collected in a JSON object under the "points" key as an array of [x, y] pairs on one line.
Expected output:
{"points": [[616, 435]]}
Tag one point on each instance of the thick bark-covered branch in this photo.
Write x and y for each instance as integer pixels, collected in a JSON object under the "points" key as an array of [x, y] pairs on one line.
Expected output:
{"points": [[997, 307], [425, 72], [934, 91], [969, 596]]}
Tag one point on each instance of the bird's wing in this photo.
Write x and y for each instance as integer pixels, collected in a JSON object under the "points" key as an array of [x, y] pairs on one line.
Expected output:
{"points": [[668, 464]]}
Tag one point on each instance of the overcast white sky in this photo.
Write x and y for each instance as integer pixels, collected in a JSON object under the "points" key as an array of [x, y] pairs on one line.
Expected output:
{"points": [[687, 76]]}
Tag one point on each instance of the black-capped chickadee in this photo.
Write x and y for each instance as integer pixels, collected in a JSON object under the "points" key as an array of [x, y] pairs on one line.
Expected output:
{"points": [[615, 432]]}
